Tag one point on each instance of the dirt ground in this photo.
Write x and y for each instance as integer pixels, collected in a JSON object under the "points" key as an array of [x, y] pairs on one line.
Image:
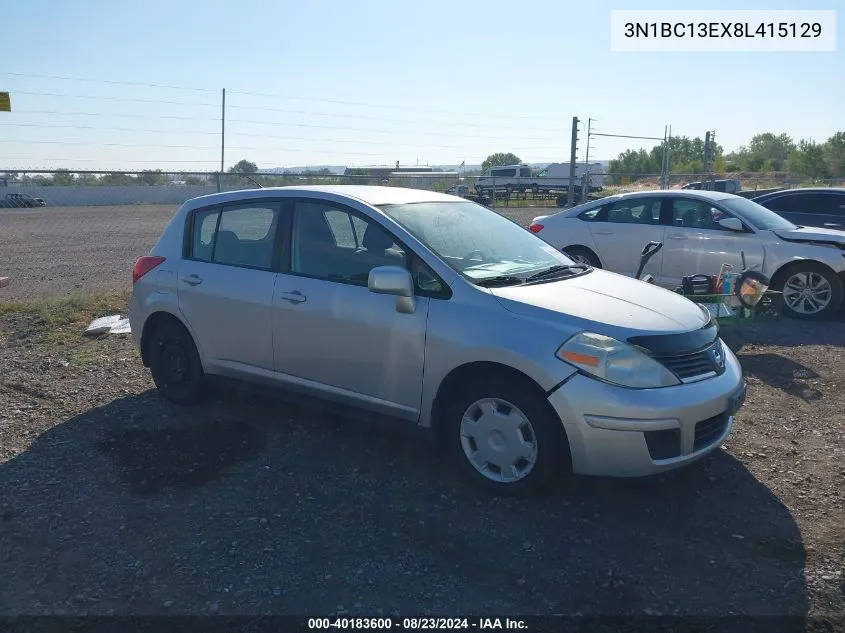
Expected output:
{"points": [[112, 501]]}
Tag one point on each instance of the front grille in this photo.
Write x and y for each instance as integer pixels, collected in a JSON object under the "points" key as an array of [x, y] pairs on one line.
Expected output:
{"points": [[664, 444], [695, 364], [709, 430]]}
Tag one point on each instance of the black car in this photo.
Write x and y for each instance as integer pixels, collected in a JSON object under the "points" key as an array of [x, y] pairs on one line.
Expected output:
{"points": [[812, 206]]}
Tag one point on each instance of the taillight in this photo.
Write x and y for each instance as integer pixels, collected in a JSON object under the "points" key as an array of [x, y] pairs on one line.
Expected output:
{"points": [[535, 228], [144, 265]]}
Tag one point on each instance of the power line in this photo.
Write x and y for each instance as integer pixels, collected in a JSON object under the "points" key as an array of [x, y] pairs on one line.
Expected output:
{"points": [[376, 105], [102, 98], [108, 81], [394, 120], [122, 115], [377, 131], [115, 129]]}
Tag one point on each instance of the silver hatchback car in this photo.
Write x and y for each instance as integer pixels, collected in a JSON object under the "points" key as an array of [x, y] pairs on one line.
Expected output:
{"points": [[439, 312]]}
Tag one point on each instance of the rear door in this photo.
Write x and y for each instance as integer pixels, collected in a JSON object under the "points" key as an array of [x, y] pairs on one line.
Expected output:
{"points": [[695, 243], [226, 283], [621, 230]]}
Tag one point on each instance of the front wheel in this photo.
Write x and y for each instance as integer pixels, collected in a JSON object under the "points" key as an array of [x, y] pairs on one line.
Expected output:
{"points": [[811, 291], [504, 436]]}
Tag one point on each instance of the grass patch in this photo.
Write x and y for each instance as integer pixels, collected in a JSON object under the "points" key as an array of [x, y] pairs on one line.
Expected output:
{"points": [[62, 319]]}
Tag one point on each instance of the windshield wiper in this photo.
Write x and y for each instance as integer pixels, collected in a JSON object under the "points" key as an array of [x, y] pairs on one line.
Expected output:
{"points": [[559, 268], [499, 280]]}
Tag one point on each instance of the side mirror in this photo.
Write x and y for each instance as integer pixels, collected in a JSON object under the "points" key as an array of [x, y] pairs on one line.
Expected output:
{"points": [[394, 280], [732, 224]]}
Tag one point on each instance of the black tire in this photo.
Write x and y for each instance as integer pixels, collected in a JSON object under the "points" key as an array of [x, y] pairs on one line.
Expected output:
{"points": [[578, 252], [815, 268], [175, 364], [553, 459]]}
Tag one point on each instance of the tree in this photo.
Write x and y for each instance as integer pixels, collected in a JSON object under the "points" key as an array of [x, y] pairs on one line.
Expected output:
{"points": [[808, 159], [496, 160], [63, 177], [243, 167], [152, 178], [834, 155]]}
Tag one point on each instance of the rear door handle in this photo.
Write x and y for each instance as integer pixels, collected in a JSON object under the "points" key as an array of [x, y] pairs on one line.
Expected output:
{"points": [[193, 280], [603, 232], [677, 237], [294, 297]]}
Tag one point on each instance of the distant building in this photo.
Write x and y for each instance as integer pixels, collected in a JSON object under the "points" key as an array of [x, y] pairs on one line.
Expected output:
{"points": [[385, 171]]}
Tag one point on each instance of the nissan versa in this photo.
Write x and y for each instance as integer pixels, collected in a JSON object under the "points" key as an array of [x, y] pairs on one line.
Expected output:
{"points": [[437, 311]]}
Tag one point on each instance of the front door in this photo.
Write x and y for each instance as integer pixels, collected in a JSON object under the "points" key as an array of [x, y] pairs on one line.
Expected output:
{"points": [[696, 244], [225, 285], [331, 335], [623, 228]]}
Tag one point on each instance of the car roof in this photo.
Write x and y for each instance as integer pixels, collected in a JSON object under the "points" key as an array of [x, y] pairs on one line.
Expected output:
{"points": [[796, 190], [369, 194]]}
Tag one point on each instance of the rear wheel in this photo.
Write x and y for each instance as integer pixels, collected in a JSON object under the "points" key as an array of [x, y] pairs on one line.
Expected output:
{"points": [[582, 255], [175, 364], [810, 291], [504, 436]]}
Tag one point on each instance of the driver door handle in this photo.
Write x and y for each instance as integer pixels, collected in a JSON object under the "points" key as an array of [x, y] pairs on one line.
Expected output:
{"points": [[293, 297], [677, 237], [603, 232]]}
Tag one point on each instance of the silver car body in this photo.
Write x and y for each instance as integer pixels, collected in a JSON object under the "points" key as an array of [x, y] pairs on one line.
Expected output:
{"points": [[689, 250], [347, 344]]}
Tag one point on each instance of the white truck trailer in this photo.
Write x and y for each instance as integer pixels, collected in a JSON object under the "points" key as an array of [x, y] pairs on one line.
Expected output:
{"points": [[550, 180]]}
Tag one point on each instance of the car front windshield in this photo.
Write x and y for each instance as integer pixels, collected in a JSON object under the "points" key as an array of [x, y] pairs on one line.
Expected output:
{"points": [[475, 241], [757, 215]]}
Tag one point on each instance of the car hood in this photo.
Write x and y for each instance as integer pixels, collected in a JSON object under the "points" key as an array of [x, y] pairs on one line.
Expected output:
{"points": [[606, 303], [812, 234]]}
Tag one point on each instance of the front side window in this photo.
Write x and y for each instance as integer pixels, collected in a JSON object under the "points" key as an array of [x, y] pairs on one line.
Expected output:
{"points": [[697, 214], [336, 244], [478, 243]]}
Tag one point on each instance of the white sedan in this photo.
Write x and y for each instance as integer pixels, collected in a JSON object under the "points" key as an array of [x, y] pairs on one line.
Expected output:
{"points": [[700, 231]]}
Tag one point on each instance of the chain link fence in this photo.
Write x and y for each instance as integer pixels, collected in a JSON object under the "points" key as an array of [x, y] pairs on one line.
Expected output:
{"points": [[64, 232]]}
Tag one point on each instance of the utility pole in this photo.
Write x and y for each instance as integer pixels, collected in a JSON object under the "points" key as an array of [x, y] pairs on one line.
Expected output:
{"points": [[709, 144], [570, 199], [586, 186], [223, 131]]}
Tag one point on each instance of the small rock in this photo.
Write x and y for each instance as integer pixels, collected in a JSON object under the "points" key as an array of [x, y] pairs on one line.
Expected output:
{"points": [[263, 521], [520, 581], [168, 604], [738, 536]]}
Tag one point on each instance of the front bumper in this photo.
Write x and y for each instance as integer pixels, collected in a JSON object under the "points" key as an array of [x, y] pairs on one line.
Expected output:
{"points": [[614, 431]]}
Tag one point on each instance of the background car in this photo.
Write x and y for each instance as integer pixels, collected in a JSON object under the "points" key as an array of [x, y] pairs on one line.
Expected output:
{"points": [[700, 231], [811, 206]]}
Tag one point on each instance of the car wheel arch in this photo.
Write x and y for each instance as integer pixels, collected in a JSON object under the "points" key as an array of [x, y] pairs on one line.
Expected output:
{"points": [[469, 371], [152, 322], [591, 251]]}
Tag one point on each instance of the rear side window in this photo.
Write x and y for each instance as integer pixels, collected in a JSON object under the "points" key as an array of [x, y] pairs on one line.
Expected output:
{"points": [[503, 173], [243, 235], [205, 224], [525, 172]]}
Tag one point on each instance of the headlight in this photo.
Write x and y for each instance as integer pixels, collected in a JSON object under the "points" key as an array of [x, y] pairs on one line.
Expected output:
{"points": [[610, 360]]}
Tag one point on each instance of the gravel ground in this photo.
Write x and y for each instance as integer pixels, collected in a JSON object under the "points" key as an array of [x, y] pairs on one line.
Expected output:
{"points": [[112, 501], [57, 251]]}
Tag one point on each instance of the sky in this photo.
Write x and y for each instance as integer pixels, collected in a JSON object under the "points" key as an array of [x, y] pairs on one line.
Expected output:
{"points": [[127, 85]]}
